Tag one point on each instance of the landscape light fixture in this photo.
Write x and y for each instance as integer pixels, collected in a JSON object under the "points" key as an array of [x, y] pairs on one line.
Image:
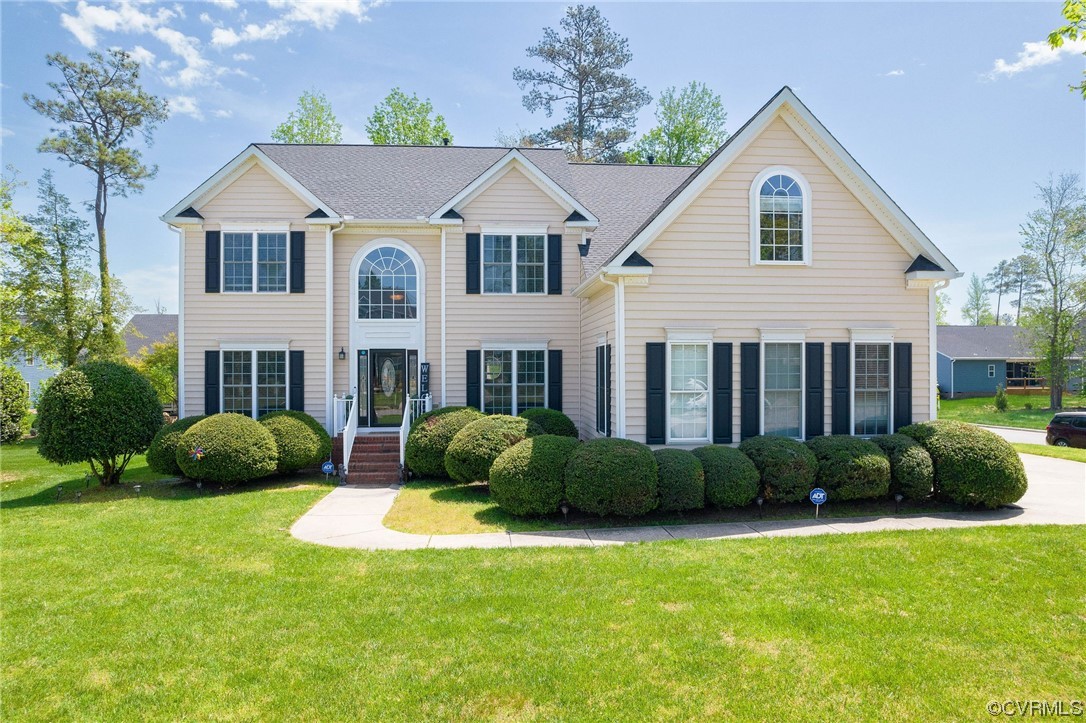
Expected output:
{"points": [[565, 511], [760, 502], [342, 354], [60, 491], [897, 502], [137, 488], [78, 496]]}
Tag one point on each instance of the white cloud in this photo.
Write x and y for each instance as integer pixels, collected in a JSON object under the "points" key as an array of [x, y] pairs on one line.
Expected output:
{"points": [[5, 133], [226, 4], [243, 56], [321, 14], [223, 113], [1036, 54], [228, 37], [186, 105], [894, 73], [142, 55], [124, 15]]}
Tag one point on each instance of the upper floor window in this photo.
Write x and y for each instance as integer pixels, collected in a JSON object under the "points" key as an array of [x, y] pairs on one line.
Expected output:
{"points": [[514, 263], [780, 218], [387, 285], [268, 264]]}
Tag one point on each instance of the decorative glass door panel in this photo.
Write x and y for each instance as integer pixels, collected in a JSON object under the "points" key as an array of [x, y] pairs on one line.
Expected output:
{"points": [[388, 387]]}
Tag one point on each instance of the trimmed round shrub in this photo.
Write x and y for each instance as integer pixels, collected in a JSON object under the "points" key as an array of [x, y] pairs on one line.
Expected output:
{"points": [[612, 477], [552, 421], [297, 445], [475, 447], [680, 480], [324, 451], [731, 479], [227, 448], [101, 413], [972, 465], [529, 477], [850, 468], [911, 470], [162, 454], [14, 405], [787, 467], [429, 439]]}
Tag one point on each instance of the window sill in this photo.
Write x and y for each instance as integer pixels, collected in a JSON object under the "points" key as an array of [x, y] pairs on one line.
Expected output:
{"points": [[781, 263]]}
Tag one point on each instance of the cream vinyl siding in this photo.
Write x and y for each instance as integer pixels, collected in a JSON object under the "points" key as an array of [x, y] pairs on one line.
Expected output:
{"points": [[597, 319], [702, 276], [255, 195], [472, 320]]}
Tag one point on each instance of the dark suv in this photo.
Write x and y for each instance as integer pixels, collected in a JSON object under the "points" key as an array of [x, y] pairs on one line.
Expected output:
{"points": [[1067, 429]]}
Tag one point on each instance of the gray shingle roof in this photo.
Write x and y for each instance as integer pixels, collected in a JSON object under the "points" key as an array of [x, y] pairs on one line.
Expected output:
{"points": [[145, 329], [982, 342]]}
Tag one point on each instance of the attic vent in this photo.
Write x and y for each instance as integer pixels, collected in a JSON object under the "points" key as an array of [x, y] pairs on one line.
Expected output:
{"points": [[445, 141], [651, 159]]}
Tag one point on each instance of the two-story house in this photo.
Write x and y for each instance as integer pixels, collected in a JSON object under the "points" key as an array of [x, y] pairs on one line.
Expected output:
{"points": [[774, 289]]}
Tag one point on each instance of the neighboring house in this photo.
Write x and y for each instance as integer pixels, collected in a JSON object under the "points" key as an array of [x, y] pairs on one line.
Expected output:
{"points": [[774, 289], [34, 371], [143, 330], [974, 360]]}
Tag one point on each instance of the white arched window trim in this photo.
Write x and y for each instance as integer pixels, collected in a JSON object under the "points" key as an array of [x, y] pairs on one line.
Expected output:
{"points": [[755, 214], [420, 273]]}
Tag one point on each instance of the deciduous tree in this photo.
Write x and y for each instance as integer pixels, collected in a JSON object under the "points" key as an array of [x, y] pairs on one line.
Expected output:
{"points": [[311, 122], [978, 307], [400, 119], [1074, 12], [689, 127]]}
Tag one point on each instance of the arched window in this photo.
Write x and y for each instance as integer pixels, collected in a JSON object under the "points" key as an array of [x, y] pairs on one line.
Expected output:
{"points": [[781, 210], [387, 285]]}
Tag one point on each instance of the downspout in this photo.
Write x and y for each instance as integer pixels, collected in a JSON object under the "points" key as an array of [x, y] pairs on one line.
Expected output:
{"points": [[933, 375], [620, 358], [180, 319], [443, 316], [329, 295]]}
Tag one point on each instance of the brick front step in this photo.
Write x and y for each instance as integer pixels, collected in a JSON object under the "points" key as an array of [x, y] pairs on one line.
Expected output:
{"points": [[386, 468], [372, 478], [381, 456]]}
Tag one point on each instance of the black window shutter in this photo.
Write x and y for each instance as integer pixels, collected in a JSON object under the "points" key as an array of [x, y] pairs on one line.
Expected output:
{"points": [[840, 414], [903, 385], [554, 263], [297, 381], [554, 379], [474, 379], [607, 377], [816, 392], [655, 379], [211, 381], [601, 418], [474, 240], [297, 263], [212, 254], [722, 393], [750, 416]]}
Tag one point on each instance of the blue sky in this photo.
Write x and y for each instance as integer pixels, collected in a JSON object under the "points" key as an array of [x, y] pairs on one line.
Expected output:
{"points": [[956, 109]]}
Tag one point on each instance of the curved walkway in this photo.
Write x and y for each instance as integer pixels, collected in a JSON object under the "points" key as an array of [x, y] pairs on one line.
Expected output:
{"points": [[354, 517]]}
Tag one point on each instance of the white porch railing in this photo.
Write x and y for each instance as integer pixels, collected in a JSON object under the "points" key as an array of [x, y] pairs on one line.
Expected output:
{"points": [[350, 429], [415, 408], [339, 413]]}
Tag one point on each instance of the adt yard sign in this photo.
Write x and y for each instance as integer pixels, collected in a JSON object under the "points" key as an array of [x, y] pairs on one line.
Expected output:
{"points": [[818, 496], [328, 468]]}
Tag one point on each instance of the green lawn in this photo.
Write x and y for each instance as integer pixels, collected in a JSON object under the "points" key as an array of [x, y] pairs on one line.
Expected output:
{"points": [[177, 605], [1044, 450], [982, 410]]}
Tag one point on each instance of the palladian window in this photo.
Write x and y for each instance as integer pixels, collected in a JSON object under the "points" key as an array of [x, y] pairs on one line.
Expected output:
{"points": [[780, 219], [387, 285]]}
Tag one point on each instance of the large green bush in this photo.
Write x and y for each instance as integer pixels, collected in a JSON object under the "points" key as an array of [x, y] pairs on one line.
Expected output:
{"points": [[162, 454], [787, 467], [731, 479], [14, 405], [529, 477], [429, 439], [475, 447], [552, 421], [612, 477], [680, 480], [850, 468], [102, 413], [972, 465], [300, 440], [911, 470], [227, 448]]}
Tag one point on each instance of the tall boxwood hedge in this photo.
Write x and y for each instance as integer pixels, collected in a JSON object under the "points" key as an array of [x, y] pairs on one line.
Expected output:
{"points": [[850, 468], [14, 405], [233, 448], [529, 477], [475, 447], [681, 480], [786, 466], [297, 442], [162, 454], [911, 470], [612, 477], [972, 465], [731, 479], [429, 439], [552, 421]]}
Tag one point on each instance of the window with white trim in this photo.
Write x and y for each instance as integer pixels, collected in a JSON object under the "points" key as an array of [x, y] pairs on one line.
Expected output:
{"points": [[780, 218], [991, 371], [387, 285], [268, 265], [688, 391], [254, 379], [871, 389], [782, 389], [514, 380], [514, 263]]}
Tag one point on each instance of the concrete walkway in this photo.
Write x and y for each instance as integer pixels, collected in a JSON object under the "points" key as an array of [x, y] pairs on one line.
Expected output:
{"points": [[353, 517]]}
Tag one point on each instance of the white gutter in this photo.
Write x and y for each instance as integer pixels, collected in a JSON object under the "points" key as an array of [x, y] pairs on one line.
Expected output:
{"points": [[180, 319], [329, 294], [620, 359], [443, 382]]}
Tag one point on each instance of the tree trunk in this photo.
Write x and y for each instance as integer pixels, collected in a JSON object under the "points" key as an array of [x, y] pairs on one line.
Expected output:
{"points": [[109, 336]]}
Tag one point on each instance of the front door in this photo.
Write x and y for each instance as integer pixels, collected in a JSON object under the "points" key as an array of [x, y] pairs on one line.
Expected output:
{"points": [[388, 385]]}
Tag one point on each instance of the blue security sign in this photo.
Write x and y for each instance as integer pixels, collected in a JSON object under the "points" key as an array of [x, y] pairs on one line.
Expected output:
{"points": [[328, 468], [818, 495]]}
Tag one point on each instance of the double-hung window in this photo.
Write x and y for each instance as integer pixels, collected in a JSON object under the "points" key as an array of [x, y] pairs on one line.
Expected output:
{"points": [[514, 380], [780, 218], [261, 256], [782, 389], [514, 263], [254, 379], [688, 391], [871, 388]]}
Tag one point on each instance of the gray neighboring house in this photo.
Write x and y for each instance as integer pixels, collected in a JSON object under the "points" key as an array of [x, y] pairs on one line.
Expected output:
{"points": [[973, 360], [145, 329]]}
